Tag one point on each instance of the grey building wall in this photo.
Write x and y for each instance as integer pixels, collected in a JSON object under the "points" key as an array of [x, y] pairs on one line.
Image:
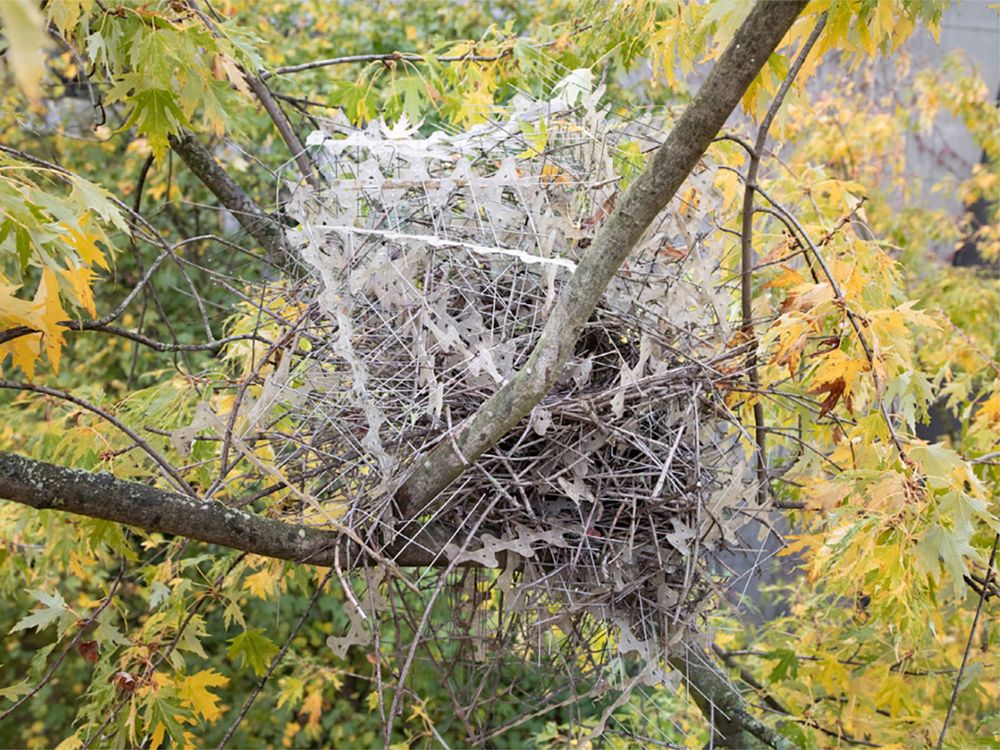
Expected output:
{"points": [[973, 28]]}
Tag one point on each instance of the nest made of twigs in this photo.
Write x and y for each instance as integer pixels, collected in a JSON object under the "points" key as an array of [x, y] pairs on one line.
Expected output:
{"points": [[430, 265]]}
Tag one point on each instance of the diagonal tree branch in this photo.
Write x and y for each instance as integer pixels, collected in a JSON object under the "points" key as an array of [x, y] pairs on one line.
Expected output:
{"points": [[266, 98], [755, 40], [723, 705], [251, 217]]}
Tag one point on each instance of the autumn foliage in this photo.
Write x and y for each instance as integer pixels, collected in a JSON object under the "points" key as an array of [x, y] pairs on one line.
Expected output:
{"points": [[153, 162]]}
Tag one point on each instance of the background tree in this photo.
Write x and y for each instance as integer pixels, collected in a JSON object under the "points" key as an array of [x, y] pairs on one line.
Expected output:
{"points": [[156, 173]]}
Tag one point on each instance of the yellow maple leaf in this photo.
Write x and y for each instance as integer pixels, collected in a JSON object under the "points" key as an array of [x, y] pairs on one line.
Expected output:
{"points": [[85, 243], [837, 365], [24, 30], [194, 693], [52, 314], [73, 742], [14, 311], [312, 706], [226, 68], [24, 352], [825, 495], [156, 739], [262, 583], [729, 185], [988, 414], [80, 278], [788, 277]]}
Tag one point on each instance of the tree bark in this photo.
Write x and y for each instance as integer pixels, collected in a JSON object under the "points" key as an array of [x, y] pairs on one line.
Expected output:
{"points": [[755, 40], [719, 700], [46, 486], [251, 217]]}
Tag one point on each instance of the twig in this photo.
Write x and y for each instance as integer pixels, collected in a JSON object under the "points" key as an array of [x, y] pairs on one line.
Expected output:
{"points": [[968, 645], [165, 465], [82, 627], [192, 611], [746, 254], [274, 662], [851, 315], [413, 57], [165, 653], [284, 126], [141, 182]]}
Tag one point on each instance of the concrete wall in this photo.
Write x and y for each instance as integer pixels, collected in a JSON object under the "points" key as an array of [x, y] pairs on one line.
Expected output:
{"points": [[972, 27]]}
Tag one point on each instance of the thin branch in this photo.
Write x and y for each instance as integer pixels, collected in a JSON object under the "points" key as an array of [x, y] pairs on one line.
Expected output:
{"points": [[165, 465], [369, 58], [285, 130], [164, 346], [139, 338], [141, 182], [274, 662], [968, 645], [193, 610], [851, 315], [747, 253], [393, 57], [165, 653], [273, 109]]}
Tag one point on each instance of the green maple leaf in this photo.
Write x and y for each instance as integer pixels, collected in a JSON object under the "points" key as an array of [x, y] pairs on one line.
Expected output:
{"points": [[156, 115], [106, 632], [787, 664], [254, 649], [53, 608], [165, 714]]}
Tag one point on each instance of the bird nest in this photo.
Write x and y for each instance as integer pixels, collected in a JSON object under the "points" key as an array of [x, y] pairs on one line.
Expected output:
{"points": [[430, 266]]}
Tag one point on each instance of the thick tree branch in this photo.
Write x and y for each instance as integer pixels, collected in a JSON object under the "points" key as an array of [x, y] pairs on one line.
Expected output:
{"points": [[44, 486], [750, 48], [281, 122], [251, 217]]}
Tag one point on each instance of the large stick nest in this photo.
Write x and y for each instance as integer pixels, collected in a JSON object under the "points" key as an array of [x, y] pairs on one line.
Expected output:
{"points": [[431, 266]]}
